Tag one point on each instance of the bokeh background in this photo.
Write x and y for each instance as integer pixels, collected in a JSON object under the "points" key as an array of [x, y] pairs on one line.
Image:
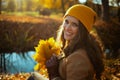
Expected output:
{"points": [[24, 22]]}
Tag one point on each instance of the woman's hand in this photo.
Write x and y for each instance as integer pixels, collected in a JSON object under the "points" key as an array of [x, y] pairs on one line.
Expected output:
{"points": [[52, 66]]}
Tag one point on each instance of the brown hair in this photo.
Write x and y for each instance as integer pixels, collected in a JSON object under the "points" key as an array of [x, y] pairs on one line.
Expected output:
{"points": [[87, 42]]}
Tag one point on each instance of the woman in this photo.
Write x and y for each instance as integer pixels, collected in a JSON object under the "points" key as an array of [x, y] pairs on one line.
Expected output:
{"points": [[82, 55]]}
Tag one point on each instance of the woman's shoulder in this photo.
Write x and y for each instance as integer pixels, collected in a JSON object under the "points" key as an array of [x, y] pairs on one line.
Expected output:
{"points": [[78, 53], [79, 56], [80, 62]]}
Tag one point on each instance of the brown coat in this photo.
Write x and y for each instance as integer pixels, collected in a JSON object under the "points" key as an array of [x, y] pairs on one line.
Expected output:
{"points": [[76, 66]]}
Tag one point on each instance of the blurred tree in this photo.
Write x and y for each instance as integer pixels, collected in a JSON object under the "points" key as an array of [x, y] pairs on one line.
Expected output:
{"points": [[58, 4], [109, 31], [63, 7], [24, 5], [118, 4], [29, 5], [65, 4], [105, 10], [35, 5], [50, 4], [0, 6], [11, 5], [4, 5]]}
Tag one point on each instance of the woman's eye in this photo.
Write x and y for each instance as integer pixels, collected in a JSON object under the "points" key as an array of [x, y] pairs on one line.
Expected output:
{"points": [[66, 21], [74, 24]]}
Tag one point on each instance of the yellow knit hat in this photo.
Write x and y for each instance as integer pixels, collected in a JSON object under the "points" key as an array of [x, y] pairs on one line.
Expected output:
{"points": [[84, 14]]}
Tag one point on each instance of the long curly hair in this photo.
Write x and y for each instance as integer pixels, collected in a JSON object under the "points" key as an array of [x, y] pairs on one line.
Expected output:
{"points": [[87, 42]]}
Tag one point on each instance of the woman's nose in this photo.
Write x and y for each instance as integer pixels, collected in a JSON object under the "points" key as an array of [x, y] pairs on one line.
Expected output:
{"points": [[68, 27]]}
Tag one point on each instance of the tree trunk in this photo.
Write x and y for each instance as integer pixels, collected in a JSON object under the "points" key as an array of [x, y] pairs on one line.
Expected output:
{"points": [[3, 63], [63, 8], [118, 14], [0, 6], [105, 10]]}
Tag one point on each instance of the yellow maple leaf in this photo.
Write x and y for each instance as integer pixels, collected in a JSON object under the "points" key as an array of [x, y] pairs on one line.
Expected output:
{"points": [[44, 50]]}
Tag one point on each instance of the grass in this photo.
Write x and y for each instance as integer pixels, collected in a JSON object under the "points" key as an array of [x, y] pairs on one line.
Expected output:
{"points": [[32, 13], [25, 13], [22, 33]]}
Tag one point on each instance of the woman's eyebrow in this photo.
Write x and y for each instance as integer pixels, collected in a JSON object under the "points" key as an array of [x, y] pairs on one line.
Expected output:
{"points": [[75, 23]]}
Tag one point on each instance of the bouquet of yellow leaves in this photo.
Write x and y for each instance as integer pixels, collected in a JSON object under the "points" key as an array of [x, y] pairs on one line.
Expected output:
{"points": [[44, 51]]}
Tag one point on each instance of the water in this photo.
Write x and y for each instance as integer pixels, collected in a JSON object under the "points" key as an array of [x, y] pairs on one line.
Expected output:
{"points": [[16, 63]]}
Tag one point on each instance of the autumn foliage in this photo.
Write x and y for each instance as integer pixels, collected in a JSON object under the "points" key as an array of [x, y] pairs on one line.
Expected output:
{"points": [[44, 51], [24, 33]]}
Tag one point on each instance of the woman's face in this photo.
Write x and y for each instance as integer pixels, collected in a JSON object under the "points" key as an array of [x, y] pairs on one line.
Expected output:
{"points": [[70, 27]]}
